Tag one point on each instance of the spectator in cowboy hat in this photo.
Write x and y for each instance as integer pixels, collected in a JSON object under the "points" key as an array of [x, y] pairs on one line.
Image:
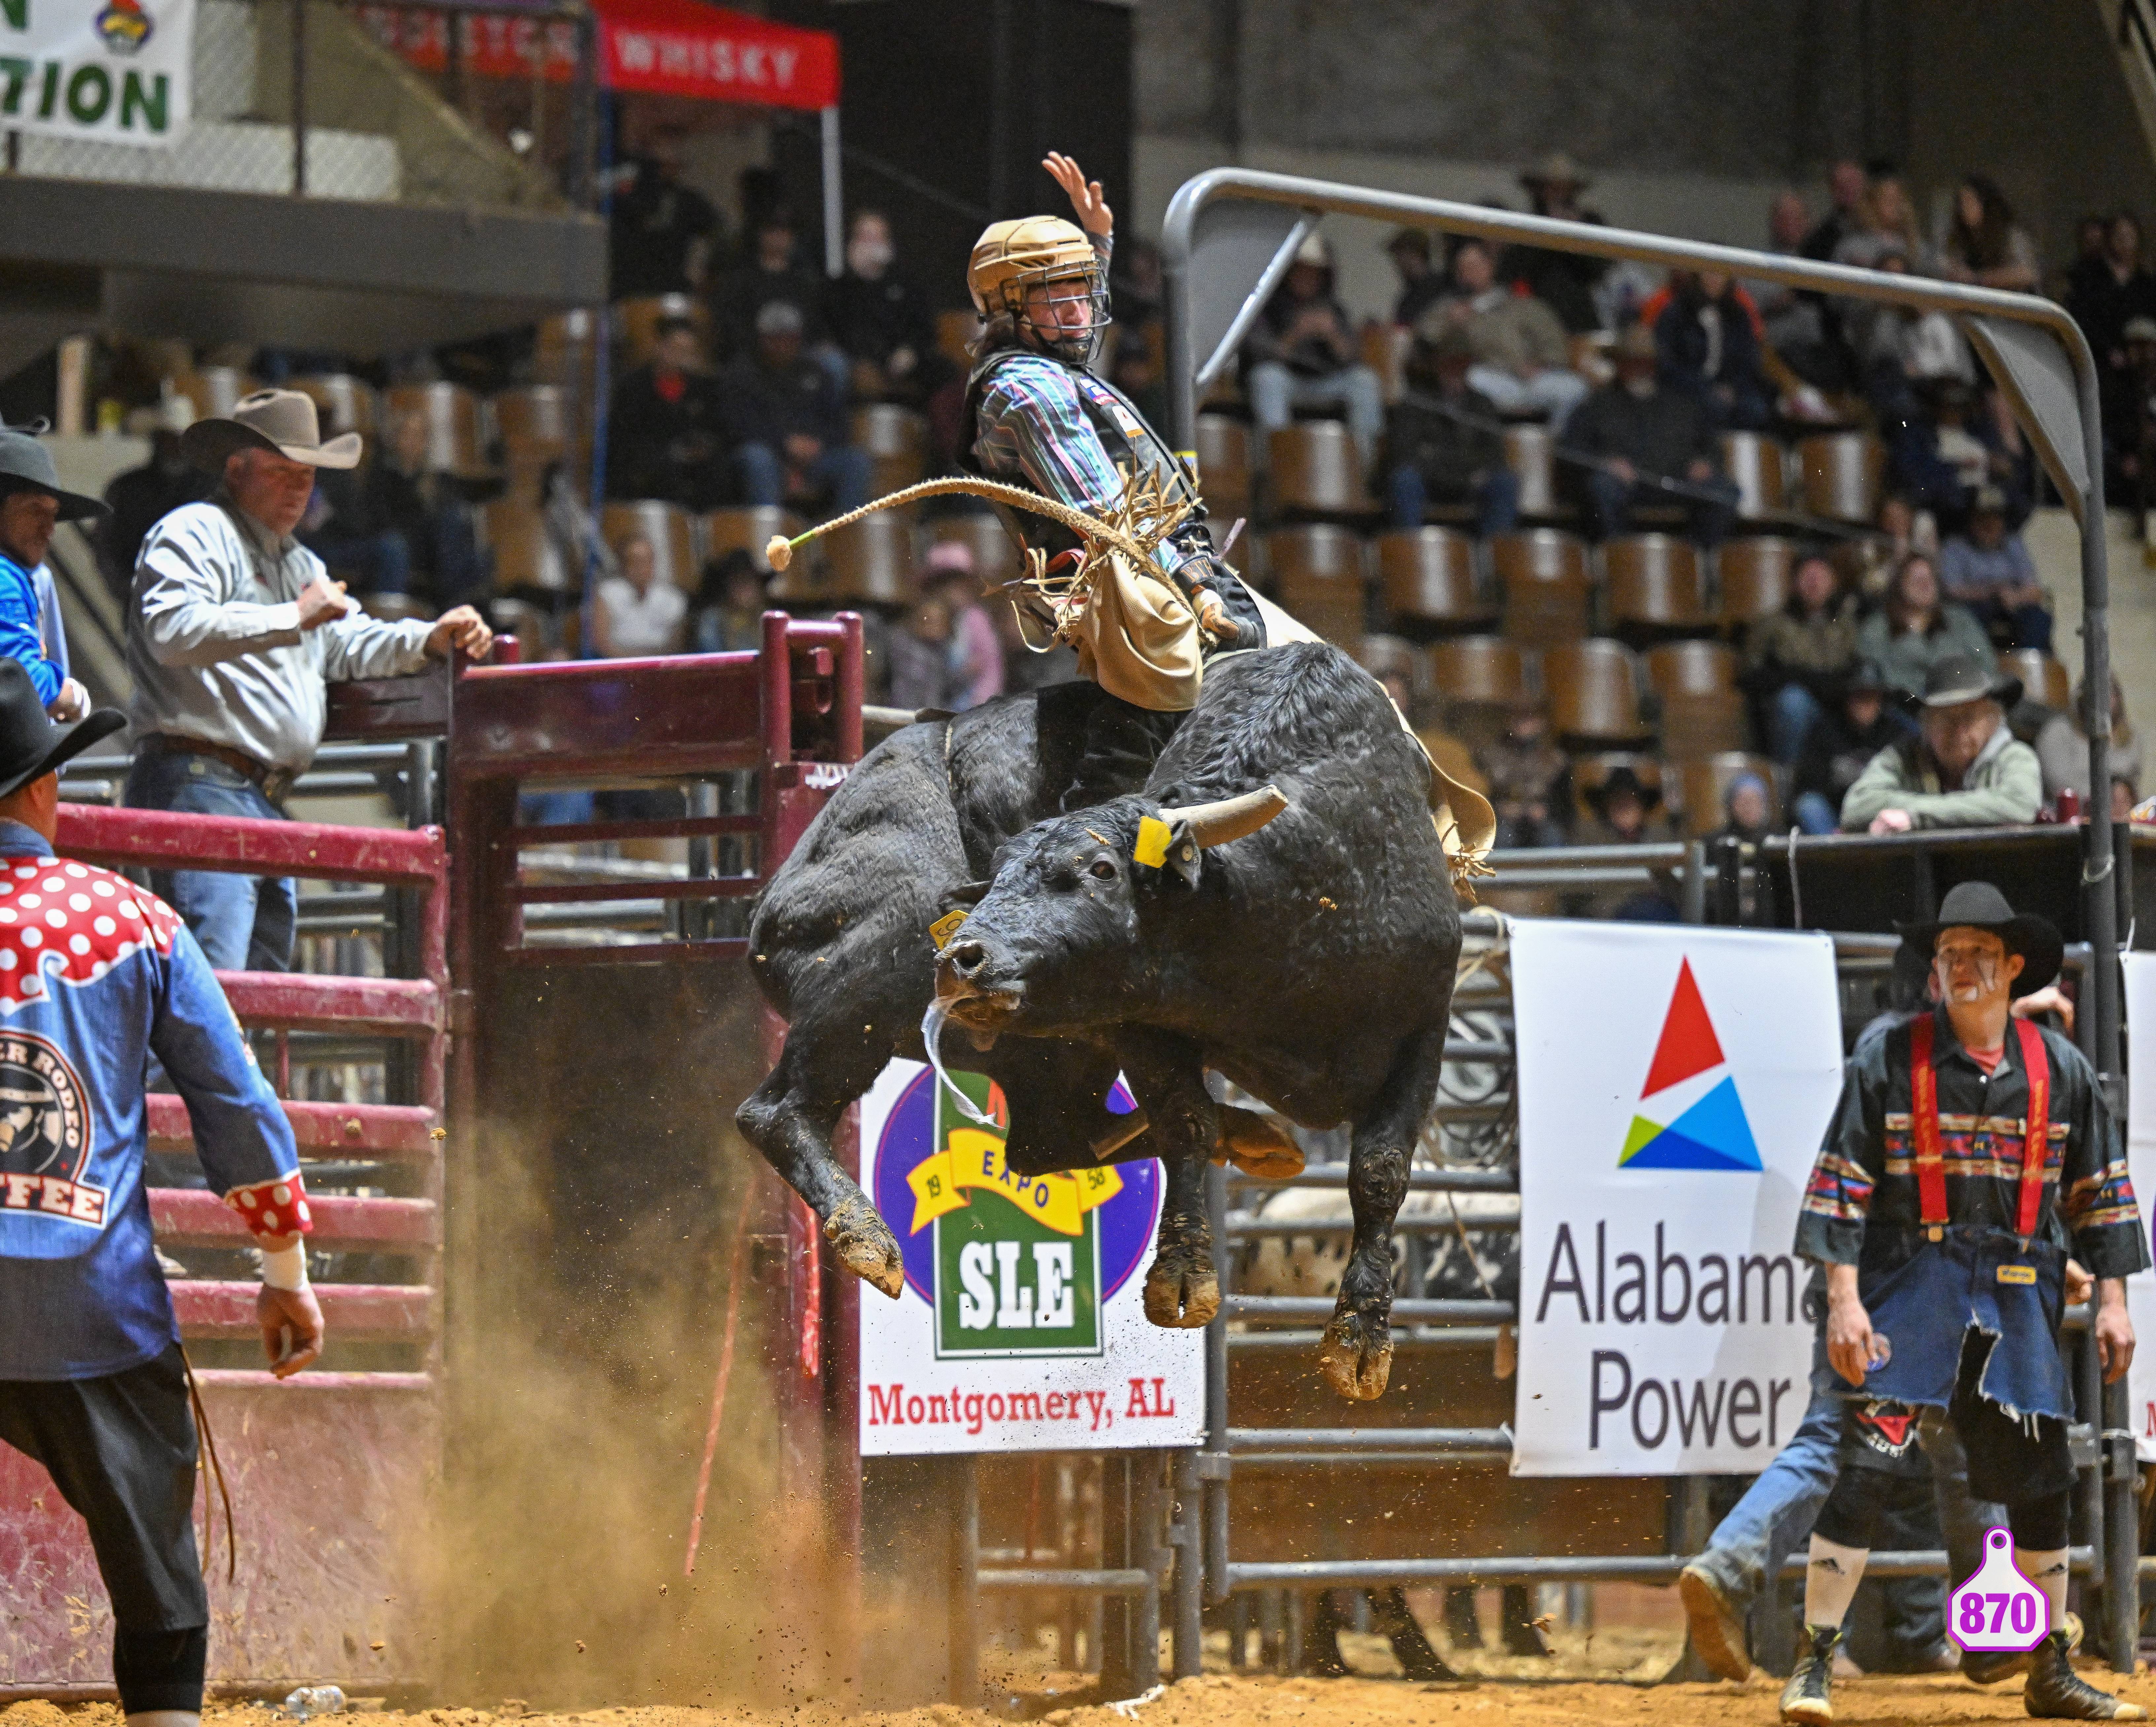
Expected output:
{"points": [[1566, 280], [235, 632], [1964, 769], [32, 505]]}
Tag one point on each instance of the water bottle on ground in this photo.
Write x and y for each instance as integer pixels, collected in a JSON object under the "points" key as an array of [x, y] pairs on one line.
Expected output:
{"points": [[308, 1701]]}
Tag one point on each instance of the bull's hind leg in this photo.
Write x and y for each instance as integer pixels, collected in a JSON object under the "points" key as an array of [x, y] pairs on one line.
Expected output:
{"points": [[1356, 1354], [791, 1118], [1181, 1288]]}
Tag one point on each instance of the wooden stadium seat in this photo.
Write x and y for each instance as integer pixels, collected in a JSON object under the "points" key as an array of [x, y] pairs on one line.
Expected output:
{"points": [[2043, 678], [669, 528], [534, 420], [896, 440], [1594, 689], [565, 350], [869, 562], [454, 441], [1758, 465], [1543, 575], [1383, 655], [1317, 572], [1427, 577], [1223, 470], [1842, 472], [1702, 783], [749, 529], [996, 556], [1703, 712], [1480, 672], [1531, 453], [1754, 576], [955, 332], [524, 554], [342, 402], [1385, 352], [1315, 469], [1656, 585], [213, 389], [636, 323]]}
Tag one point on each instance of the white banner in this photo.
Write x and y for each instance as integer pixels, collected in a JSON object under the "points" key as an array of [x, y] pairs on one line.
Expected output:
{"points": [[2141, 1167], [1675, 1083], [1022, 1325], [116, 71]]}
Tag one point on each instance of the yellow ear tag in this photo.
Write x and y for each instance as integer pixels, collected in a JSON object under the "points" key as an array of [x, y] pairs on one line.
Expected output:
{"points": [[1153, 837], [944, 928]]}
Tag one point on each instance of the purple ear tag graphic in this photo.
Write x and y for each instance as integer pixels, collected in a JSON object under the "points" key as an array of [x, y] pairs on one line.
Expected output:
{"points": [[1996, 1610]]}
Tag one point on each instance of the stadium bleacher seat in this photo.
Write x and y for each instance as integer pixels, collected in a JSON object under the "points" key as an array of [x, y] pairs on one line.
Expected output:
{"points": [[455, 439], [1314, 469], [869, 562], [749, 528], [213, 389], [996, 556], [668, 526], [1547, 583], [1223, 470], [1385, 353], [1318, 572], [1842, 472], [2043, 678], [342, 402], [1594, 689], [1655, 587], [1480, 672], [1703, 712], [1701, 784], [636, 324], [1759, 466], [1531, 453], [533, 420], [1753, 578], [896, 440], [567, 351], [525, 555], [1426, 576]]}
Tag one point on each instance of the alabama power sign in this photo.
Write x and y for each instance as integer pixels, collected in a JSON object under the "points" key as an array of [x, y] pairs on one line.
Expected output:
{"points": [[1022, 1324], [1675, 1083]]}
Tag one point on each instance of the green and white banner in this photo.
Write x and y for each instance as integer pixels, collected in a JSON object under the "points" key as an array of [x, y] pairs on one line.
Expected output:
{"points": [[1022, 1325], [110, 71]]}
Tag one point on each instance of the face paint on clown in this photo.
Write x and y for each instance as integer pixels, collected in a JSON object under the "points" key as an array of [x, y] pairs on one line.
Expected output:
{"points": [[1974, 972]]}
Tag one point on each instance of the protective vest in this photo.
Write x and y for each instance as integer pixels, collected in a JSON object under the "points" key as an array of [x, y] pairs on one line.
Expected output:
{"points": [[1132, 445]]}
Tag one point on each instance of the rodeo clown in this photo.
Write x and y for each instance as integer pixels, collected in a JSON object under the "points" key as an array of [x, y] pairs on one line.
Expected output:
{"points": [[1970, 1153], [97, 975], [1036, 416]]}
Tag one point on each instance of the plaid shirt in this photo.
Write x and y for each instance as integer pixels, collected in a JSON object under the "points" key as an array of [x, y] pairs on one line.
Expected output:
{"points": [[1861, 1205]]}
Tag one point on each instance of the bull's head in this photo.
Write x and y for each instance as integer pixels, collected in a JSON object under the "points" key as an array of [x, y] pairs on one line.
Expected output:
{"points": [[1055, 943]]}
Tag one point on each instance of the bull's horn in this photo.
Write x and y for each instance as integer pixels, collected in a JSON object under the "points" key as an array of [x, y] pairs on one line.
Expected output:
{"points": [[1216, 823]]}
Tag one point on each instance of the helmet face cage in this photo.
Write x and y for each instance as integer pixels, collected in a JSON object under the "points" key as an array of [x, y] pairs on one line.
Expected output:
{"points": [[1079, 344]]}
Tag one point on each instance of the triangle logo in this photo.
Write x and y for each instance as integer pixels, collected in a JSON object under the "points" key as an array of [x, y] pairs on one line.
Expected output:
{"points": [[1703, 1125]]}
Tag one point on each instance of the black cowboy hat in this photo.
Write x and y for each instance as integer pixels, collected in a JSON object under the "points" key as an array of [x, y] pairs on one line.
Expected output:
{"points": [[1623, 778], [32, 745], [26, 464], [1959, 678], [1978, 905]]}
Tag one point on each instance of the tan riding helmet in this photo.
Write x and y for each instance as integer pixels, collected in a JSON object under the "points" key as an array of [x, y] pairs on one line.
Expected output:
{"points": [[1017, 255]]}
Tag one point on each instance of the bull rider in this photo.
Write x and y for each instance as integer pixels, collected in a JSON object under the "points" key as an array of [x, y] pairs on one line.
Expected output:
{"points": [[97, 975], [1970, 1153], [1036, 416]]}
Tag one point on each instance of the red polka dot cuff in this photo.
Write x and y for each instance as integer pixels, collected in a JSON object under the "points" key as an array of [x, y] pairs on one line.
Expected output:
{"points": [[275, 1207]]}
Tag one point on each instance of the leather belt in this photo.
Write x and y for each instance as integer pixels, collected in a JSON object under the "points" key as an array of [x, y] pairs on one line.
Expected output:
{"points": [[273, 783]]}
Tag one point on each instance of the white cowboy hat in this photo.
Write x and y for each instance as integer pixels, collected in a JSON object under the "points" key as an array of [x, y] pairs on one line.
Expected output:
{"points": [[280, 420]]}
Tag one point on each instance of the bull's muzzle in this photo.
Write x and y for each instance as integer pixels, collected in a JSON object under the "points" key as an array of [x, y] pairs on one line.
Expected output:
{"points": [[967, 988]]}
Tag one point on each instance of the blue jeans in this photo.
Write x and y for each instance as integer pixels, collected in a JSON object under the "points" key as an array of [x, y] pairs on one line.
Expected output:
{"points": [[1275, 393], [841, 468], [1776, 1514], [1609, 502], [1791, 711], [243, 922], [378, 564], [1497, 499], [1816, 814]]}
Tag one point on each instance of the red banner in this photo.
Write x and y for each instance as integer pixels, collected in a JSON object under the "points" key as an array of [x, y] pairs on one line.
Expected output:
{"points": [[673, 48]]}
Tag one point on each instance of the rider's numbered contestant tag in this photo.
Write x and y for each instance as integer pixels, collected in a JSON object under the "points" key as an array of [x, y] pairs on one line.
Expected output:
{"points": [[1022, 1325]]}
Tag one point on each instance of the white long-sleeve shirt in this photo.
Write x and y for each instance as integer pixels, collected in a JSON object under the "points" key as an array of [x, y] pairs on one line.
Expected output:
{"points": [[214, 644]]}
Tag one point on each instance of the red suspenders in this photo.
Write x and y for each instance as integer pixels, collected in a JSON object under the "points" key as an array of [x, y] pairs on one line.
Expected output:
{"points": [[1924, 1117]]}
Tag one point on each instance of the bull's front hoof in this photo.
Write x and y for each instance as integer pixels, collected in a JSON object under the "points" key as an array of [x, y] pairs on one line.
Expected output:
{"points": [[1357, 1356], [864, 1246], [1257, 1145], [1181, 1294]]}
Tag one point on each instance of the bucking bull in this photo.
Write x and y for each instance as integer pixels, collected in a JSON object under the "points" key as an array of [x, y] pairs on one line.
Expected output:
{"points": [[1274, 905]]}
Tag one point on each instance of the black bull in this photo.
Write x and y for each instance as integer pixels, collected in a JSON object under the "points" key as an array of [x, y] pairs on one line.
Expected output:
{"points": [[1311, 962]]}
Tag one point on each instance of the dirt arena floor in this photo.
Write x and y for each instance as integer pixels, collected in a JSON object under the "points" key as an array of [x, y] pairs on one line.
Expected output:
{"points": [[1223, 1700]]}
